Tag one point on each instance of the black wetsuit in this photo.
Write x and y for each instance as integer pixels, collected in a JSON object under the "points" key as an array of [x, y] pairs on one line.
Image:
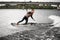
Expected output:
{"points": [[29, 14]]}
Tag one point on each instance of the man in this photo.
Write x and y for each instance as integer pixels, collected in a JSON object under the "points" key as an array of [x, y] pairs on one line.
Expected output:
{"points": [[29, 14]]}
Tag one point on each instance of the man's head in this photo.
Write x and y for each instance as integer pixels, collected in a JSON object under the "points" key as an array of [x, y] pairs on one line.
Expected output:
{"points": [[32, 10]]}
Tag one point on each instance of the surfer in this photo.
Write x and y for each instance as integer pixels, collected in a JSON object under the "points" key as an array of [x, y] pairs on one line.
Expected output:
{"points": [[29, 14]]}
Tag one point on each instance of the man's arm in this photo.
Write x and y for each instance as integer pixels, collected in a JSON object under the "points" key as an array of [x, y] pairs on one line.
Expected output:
{"points": [[32, 17]]}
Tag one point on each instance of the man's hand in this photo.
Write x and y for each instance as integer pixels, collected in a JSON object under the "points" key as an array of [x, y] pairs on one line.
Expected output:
{"points": [[34, 19]]}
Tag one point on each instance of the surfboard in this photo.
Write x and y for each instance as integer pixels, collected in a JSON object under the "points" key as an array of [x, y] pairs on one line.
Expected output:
{"points": [[14, 24]]}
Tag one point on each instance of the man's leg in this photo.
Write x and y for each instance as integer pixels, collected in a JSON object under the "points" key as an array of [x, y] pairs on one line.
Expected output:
{"points": [[26, 20], [20, 21]]}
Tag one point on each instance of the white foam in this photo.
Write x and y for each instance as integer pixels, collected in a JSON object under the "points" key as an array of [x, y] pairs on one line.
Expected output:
{"points": [[56, 20]]}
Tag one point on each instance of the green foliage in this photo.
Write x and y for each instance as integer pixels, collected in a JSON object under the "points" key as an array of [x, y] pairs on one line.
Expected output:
{"points": [[26, 6]]}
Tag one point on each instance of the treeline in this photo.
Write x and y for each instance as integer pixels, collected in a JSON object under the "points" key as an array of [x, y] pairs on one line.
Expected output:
{"points": [[7, 6]]}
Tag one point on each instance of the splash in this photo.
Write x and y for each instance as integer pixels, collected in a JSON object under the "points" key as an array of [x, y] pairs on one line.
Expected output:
{"points": [[56, 20]]}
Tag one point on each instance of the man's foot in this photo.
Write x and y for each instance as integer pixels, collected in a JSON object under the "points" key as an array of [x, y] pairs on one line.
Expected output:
{"points": [[17, 24]]}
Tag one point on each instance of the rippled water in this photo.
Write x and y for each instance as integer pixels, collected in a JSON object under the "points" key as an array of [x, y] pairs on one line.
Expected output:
{"points": [[14, 15], [7, 16]]}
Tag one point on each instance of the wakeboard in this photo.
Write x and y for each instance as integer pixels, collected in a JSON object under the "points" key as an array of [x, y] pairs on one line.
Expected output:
{"points": [[15, 24]]}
